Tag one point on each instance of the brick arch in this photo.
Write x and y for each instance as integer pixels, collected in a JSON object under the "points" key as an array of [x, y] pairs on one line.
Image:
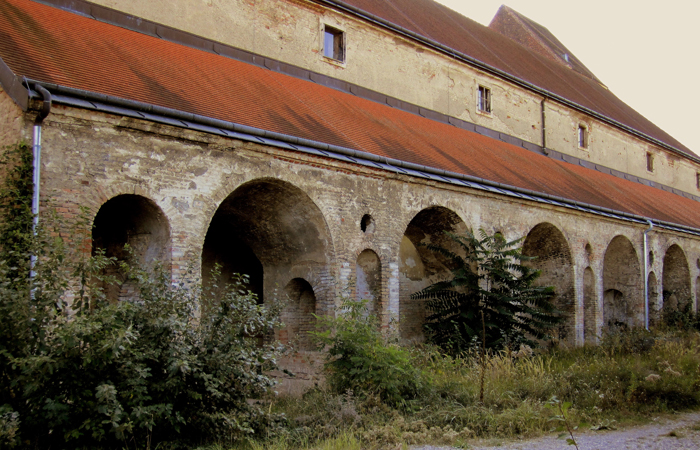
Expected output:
{"points": [[97, 197], [269, 228], [139, 222], [675, 279], [623, 302], [419, 267], [298, 314], [548, 245]]}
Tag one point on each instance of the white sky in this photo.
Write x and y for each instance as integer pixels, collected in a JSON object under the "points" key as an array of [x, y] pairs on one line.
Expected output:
{"points": [[646, 51]]}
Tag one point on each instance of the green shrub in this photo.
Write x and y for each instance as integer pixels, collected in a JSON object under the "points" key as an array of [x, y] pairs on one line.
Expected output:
{"points": [[489, 289], [361, 360], [137, 373]]}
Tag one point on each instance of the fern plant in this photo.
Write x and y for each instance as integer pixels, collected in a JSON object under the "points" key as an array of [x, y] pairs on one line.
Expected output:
{"points": [[488, 276]]}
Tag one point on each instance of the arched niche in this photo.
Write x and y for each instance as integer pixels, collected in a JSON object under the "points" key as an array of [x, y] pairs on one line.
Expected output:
{"points": [[654, 300], [675, 279], [368, 279], [553, 259], [140, 223], [267, 229], [298, 315], [420, 267], [590, 309], [623, 304]]}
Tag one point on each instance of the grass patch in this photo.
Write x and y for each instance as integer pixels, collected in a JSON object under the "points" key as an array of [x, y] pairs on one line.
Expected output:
{"points": [[627, 379]]}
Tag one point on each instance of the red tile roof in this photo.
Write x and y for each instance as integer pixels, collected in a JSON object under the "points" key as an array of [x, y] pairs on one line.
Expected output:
{"points": [[447, 27], [55, 46]]}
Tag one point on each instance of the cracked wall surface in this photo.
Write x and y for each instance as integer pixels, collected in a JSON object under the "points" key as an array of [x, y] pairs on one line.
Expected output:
{"points": [[298, 224]]}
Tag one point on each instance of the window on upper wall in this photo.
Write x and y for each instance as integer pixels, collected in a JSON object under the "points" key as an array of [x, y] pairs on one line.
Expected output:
{"points": [[697, 182], [650, 162], [333, 43], [483, 101], [582, 136]]}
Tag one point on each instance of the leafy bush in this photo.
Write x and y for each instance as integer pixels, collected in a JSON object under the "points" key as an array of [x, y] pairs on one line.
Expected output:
{"points": [[150, 370], [362, 361], [489, 279]]}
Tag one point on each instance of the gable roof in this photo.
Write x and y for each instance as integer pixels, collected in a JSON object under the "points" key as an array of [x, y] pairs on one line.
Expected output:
{"points": [[58, 47], [440, 24], [536, 38]]}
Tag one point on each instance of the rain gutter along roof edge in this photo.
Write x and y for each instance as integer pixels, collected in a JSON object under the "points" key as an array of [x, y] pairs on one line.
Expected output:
{"points": [[77, 98], [13, 86]]}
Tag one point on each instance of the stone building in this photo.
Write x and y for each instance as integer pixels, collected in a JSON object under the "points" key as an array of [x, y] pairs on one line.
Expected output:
{"points": [[314, 144]]}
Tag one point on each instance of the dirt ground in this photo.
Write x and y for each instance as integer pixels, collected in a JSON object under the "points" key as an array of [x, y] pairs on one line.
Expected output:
{"points": [[679, 432]]}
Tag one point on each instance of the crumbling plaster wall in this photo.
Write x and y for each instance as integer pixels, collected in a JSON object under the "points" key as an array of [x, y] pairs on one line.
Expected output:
{"points": [[291, 31], [91, 157]]}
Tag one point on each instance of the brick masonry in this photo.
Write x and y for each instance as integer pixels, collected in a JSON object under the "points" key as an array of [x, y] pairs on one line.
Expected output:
{"points": [[301, 219]]}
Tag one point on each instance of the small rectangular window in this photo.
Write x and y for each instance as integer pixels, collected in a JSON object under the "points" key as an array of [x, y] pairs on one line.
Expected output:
{"points": [[333, 43], [697, 180], [650, 162], [484, 99], [582, 136]]}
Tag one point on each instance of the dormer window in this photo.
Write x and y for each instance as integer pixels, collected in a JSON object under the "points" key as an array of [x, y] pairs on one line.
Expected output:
{"points": [[483, 101], [333, 43], [582, 136]]}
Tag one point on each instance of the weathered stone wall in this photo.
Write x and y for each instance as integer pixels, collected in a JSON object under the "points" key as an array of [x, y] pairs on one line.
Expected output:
{"points": [[11, 120], [291, 31], [308, 220]]}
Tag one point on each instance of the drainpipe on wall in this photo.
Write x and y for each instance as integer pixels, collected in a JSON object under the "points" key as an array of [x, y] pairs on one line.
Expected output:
{"points": [[646, 275], [544, 127], [36, 164]]}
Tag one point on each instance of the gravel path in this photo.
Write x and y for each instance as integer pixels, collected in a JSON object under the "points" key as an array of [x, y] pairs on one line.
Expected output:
{"points": [[681, 432]]}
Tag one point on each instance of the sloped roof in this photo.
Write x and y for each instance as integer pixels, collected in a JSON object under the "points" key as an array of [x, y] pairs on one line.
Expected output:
{"points": [[439, 23], [54, 46], [536, 38]]}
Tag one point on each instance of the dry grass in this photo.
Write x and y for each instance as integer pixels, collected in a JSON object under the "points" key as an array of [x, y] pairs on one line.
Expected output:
{"points": [[627, 379]]}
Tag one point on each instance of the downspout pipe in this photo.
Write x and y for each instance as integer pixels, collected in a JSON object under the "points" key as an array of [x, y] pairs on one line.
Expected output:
{"points": [[544, 126], [36, 160], [646, 274]]}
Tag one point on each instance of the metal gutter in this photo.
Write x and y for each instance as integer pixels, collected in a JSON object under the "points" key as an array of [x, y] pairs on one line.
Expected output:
{"points": [[132, 108], [337, 4]]}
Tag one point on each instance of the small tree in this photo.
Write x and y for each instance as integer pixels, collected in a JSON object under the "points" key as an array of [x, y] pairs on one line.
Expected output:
{"points": [[492, 279]]}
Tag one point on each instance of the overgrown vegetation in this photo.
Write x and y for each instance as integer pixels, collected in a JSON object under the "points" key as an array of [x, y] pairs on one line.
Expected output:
{"points": [[490, 288], [630, 377], [81, 372], [363, 361]]}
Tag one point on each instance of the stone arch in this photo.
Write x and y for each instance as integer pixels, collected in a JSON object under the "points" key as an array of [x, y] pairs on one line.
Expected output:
{"points": [[368, 280], [553, 258], [654, 303], [419, 267], [590, 309], [623, 300], [268, 229], [675, 280], [137, 221], [298, 315]]}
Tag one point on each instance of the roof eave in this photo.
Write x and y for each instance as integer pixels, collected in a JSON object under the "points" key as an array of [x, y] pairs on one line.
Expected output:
{"points": [[95, 101], [13, 86]]}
